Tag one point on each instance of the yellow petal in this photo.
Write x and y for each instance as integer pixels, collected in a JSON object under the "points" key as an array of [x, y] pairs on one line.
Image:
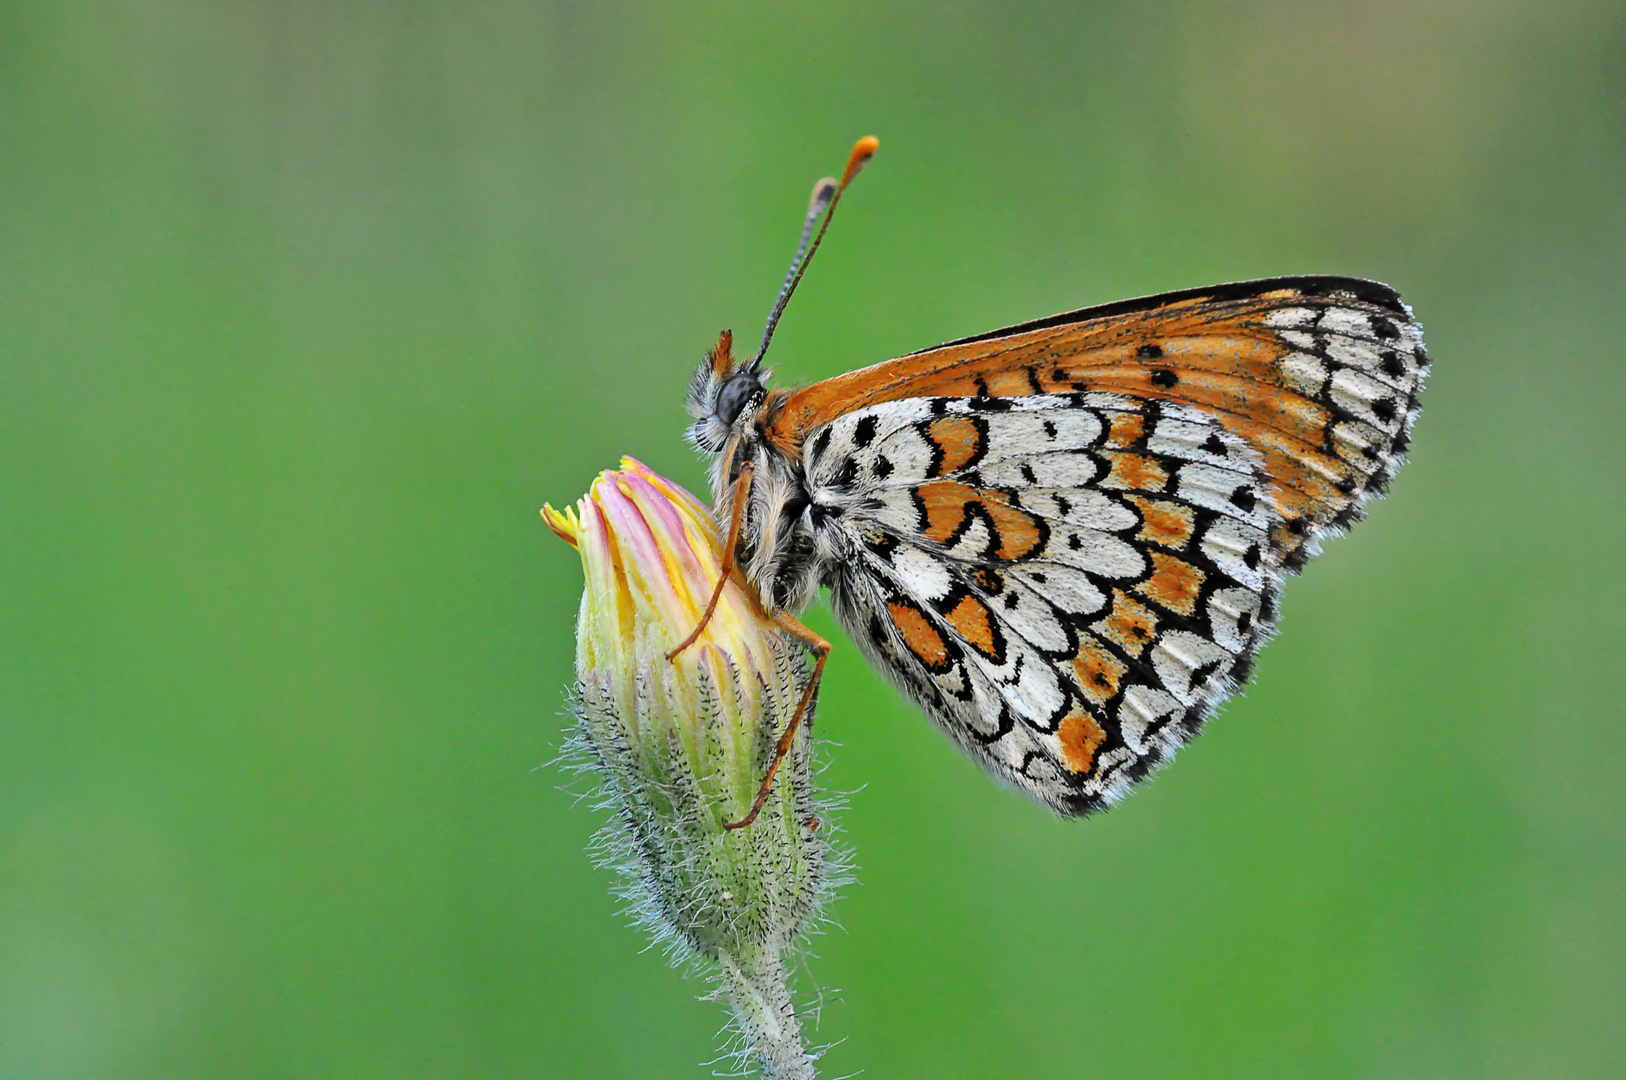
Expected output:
{"points": [[564, 526]]}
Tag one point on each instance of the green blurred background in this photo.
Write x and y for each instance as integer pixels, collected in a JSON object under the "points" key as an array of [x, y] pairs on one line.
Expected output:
{"points": [[305, 308]]}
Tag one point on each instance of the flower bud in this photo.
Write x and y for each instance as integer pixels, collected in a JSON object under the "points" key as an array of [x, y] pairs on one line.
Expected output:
{"points": [[681, 746]]}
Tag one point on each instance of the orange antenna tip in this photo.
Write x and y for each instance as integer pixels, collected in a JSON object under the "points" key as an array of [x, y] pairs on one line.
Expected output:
{"points": [[863, 150]]}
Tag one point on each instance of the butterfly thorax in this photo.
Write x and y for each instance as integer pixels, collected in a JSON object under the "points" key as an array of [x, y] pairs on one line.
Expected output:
{"points": [[784, 550]]}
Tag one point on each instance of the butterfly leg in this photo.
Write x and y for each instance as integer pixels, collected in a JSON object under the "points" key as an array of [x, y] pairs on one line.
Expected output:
{"points": [[820, 647], [742, 489]]}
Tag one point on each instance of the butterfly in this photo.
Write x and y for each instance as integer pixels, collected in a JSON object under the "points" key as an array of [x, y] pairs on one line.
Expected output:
{"points": [[1064, 540]]}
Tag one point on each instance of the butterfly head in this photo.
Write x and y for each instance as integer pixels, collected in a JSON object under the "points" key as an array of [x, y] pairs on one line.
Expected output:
{"points": [[723, 396]]}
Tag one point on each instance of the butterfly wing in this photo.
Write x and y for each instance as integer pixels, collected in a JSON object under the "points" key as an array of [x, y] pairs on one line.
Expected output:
{"points": [[1065, 539]]}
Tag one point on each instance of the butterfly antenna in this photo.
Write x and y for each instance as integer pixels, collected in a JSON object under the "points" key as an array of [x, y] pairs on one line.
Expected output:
{"points": [[826, 194]]}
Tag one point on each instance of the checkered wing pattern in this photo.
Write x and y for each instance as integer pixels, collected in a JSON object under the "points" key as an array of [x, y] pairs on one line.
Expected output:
{"points": [[1071, 575]]}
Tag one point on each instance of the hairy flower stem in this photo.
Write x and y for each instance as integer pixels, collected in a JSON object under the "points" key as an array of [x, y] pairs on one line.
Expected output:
{"points": [[765, 1013], [680, 740]]}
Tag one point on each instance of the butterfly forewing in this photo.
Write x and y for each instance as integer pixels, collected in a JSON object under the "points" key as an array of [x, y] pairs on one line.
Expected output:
{"points": [[1319, 375], [1066, 538]]}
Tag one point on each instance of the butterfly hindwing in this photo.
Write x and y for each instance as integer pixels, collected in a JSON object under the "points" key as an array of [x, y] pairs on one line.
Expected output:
{"points": [[1067, 584]]}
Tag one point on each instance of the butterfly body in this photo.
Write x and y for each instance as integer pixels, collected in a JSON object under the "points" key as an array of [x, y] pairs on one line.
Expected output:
{"points": [[1064, 540]]}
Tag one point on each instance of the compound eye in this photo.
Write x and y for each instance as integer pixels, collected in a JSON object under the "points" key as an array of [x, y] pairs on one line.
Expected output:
{"points": [[735, 395]]}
